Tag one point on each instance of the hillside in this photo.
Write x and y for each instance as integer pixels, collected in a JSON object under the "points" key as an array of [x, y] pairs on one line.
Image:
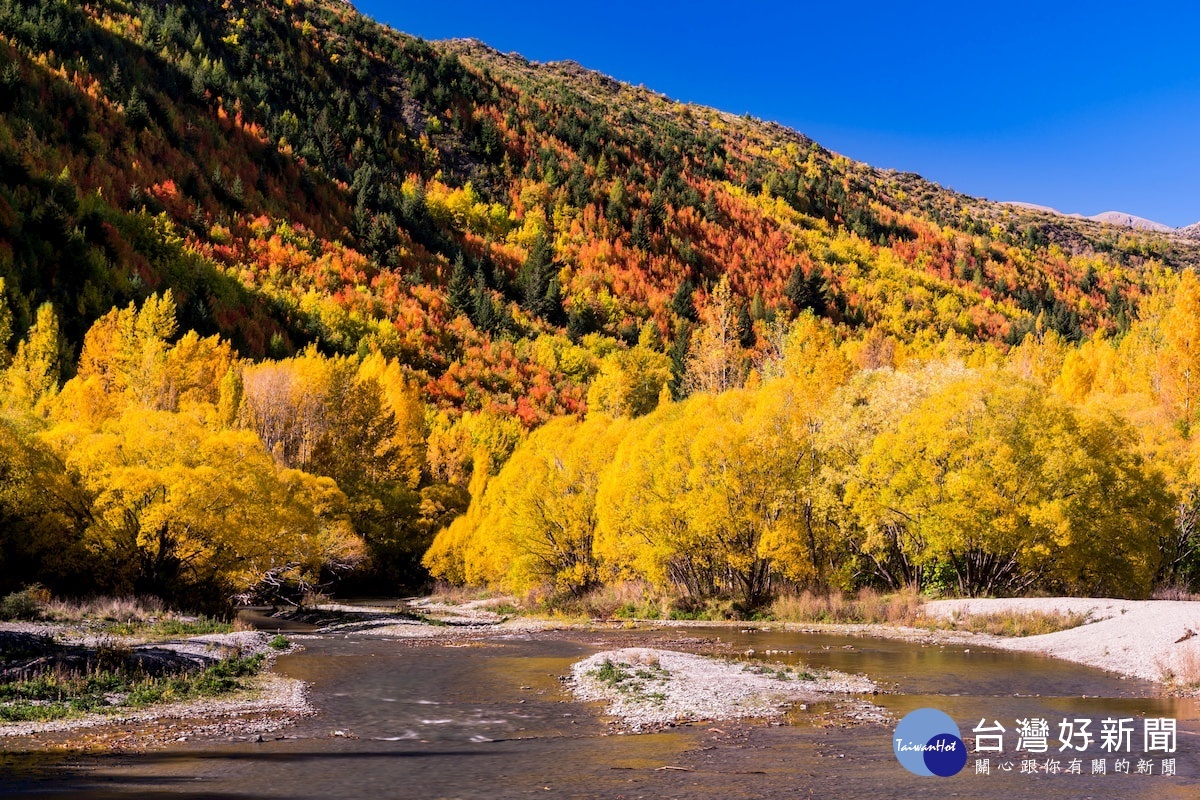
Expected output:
{"points": [[289, 298], [297, 173]]}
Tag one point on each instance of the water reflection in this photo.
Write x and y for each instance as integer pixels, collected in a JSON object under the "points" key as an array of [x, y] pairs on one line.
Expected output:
{"points": [[492, 720]]}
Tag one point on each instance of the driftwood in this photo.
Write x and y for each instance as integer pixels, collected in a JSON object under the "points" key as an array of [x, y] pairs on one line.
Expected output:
{"points": [[278, 586], [24, 656]]}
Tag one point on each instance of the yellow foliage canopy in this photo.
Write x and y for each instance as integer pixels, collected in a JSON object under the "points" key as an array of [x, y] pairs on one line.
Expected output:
{"points": [[174, 500]]}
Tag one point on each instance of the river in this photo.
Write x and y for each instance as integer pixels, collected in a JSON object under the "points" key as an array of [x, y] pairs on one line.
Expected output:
{"points": [[489, 718]]}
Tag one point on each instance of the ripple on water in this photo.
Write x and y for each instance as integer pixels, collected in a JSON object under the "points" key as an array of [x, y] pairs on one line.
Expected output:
{"points": [[407, 751]]}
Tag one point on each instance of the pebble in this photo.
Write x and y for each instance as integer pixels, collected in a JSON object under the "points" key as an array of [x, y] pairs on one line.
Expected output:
{"points": [[679, 686]]}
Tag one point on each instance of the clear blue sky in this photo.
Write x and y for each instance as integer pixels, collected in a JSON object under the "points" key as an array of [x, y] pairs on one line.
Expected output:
{"points": [[1030, 101]]}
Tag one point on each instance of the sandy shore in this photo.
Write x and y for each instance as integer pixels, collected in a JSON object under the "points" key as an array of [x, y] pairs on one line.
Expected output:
{"points": [[1154, 640], [1158, 640], [649, 688]]}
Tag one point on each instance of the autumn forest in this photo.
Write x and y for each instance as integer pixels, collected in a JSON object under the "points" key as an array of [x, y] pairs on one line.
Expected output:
{"points": [[290, 301]]}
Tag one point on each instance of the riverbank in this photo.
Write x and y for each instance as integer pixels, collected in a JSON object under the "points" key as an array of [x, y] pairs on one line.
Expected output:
{"points": [[1151, 640], [217, 681], [1154, 640]]}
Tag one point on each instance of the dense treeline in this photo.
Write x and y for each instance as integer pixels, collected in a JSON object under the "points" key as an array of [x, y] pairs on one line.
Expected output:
{"points": [[169, 466], [1050, 468], [285, 293]]}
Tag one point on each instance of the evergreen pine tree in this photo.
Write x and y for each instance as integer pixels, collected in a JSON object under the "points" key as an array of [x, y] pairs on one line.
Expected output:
{"points": [[482, 312], [538, 282], [682, 303], [806, 291], [459, 290], [679, 353], [745, 327]]}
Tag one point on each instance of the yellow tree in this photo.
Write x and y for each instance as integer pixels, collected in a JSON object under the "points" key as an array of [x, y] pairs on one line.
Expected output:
{"points": [[869, 404], [1180, 364], [447, 557], [193, 370], [804, 542], [128, 360], [403, 402], [1160, 443], [630, 382], [787, 423], [720, 494], [285, 403], [126, 351], [537, 518], [34, 373], [453, 444], [1093, 368], [733, 497], [809, 353], [176, 504], [643, 528], [1007, 488], [44, 512], [1116, 515], [361, 422], [1039, 359], [715, 360]]}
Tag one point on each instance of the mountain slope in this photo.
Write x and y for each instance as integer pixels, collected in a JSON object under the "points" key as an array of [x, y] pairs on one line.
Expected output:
{"points": [[297, 173], [1118, 218]]}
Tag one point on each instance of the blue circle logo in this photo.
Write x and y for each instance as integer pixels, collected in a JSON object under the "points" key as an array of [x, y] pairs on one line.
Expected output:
{"points": [[928, 742]]}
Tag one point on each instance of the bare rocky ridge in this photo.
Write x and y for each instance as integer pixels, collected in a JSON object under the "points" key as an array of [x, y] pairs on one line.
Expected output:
{"points": [[1118, 218], [1190, 231], [1121, 219]]}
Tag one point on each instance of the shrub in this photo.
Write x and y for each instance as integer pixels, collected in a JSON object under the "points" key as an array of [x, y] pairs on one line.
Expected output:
{"points": [[25, 604]]}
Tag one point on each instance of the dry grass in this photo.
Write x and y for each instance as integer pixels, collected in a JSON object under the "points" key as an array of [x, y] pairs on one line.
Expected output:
{"points": [[868, 606], [451, 595], [639, 600], [1174, 593], [110, 609], [1009, 623], [905, 608], [623, 600], [631, 600], [145, 617], [1181, 671]]}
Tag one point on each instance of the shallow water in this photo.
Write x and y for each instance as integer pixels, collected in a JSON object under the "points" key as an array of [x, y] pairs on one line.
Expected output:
{"points": [[490, 719]]}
